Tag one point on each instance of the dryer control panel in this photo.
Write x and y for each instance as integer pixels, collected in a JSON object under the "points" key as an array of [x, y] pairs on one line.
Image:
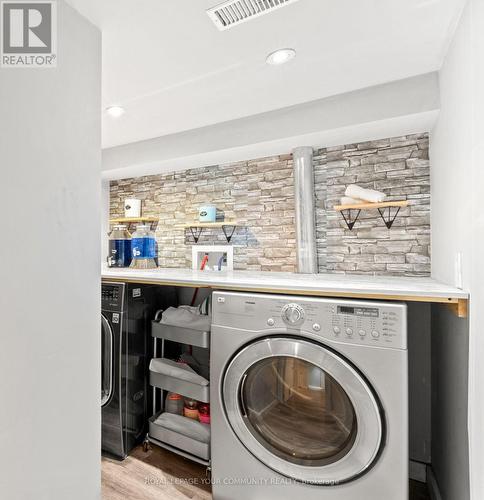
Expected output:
{"points": [[112, 296], [363, 322]]}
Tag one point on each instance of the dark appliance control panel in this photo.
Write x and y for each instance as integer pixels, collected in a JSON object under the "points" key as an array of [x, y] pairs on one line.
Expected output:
{"points": [[112, 296]]}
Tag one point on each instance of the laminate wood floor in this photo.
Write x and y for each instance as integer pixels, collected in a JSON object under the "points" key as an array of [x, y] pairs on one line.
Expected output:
{"points": [[162, 475], [155, 475]]}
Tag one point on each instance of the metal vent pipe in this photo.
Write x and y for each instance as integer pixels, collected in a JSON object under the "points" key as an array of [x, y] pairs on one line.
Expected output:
{"points": [[307, 261]]}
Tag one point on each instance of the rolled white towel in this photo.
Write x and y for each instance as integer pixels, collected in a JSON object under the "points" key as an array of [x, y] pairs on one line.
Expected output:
{"points": [[354, 191], [346, 200]]}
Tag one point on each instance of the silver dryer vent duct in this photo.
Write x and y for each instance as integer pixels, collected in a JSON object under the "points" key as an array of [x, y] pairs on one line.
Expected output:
{"points": [[307, 261]]}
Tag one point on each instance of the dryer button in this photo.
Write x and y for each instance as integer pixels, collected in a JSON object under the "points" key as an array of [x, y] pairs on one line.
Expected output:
{"points": [[317, 327], [375, 334], [271, 322]]}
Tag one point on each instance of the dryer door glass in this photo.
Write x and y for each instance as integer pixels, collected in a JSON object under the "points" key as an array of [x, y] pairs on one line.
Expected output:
{"points": [[298, 411], [303, 410]]}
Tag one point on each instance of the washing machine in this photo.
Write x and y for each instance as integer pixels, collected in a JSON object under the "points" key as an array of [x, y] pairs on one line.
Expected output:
{"points": [[126, 313], [309, 398]]}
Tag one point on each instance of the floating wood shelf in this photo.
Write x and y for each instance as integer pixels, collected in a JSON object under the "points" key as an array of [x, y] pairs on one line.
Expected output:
{"points": [[211, 224], [389, 219], [196, 228], [152, 221], [127, 220]]}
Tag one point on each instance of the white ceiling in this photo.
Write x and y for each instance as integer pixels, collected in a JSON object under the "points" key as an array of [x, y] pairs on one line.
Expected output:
{"points": [[168, 65]]}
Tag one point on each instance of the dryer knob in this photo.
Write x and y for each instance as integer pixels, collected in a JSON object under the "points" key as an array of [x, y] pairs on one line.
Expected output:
{"points": [[293, 314]]}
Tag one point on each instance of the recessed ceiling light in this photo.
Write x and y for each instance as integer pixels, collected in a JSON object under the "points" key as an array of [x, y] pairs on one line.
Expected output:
{"points": [[280, 56], [115, 111]]}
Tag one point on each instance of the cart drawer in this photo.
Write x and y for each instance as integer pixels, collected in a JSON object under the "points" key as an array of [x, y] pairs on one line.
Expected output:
{"points": [[183, 387], [187, 336], [178, 440]]}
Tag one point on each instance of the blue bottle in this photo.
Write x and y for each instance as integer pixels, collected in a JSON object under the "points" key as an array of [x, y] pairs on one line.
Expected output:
{"points": [[143, 248], [119, 247]]}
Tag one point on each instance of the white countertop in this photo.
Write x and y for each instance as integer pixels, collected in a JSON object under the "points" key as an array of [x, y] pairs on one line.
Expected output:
{"points": [[384, 287]]}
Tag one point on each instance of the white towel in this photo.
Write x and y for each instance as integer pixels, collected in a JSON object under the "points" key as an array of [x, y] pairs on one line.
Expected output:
{"points": [[186, 317], [370, 195], [177, 370], [186, 426], [346, 200]]}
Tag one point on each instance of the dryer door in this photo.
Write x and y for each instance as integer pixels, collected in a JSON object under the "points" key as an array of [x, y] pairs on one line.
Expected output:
{"points": [[107, 362], [302, 410]]}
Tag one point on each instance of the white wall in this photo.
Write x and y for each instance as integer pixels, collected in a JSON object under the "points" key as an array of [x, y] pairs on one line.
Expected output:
{"points": [[457, 149], [105, 226], [50, 274], [396, 108]]}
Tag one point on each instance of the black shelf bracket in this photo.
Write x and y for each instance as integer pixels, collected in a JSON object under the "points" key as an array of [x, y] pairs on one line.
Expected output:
{"points": [[196, 233], [384, 209], [228, 236], [350, 222], [228, 230], [389, 219]]}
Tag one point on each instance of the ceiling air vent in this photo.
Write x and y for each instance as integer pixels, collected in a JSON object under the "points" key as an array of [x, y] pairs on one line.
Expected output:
{"points": [[234, 12]]}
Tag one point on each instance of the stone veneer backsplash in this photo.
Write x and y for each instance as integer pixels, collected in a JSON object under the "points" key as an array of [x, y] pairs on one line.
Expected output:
{"points": [[259, 194], [399, 167]]}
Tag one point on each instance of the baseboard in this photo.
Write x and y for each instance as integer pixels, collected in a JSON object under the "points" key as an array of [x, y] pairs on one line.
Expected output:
{"points": [[432, 485], [417, 471]]}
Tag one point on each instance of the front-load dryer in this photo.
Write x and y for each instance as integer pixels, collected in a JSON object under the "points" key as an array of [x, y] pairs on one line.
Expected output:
{"points": [[309, 398]]}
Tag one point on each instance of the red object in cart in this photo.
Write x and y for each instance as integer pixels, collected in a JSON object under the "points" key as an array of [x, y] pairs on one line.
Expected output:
{"points": [[204, 413]]}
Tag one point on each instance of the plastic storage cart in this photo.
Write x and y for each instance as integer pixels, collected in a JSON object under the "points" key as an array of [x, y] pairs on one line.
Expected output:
{"points": [[165, 375]]}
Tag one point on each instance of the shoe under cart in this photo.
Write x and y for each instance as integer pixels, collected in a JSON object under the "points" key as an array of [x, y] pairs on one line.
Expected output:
{"points": [[161, 383]]}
